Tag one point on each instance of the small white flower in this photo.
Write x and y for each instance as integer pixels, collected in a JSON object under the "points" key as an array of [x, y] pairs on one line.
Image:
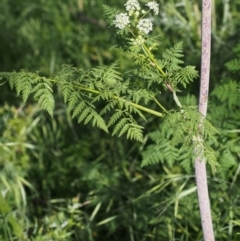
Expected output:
{"points": [[132, 5], [153, 6], [121, 20], [145, 26]]}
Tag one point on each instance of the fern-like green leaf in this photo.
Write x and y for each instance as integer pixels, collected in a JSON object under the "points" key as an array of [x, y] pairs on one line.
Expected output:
{"points": [[120, 125], [79, 108], [233, 65], [73, 100], [115, 117], [66, 89], [161, 151], [26, 88], [171, 57], [228, 93], [124, 129], [186, 75], [98, 121], [43, 92], [135, 132], [86, 113], [109, 12]]}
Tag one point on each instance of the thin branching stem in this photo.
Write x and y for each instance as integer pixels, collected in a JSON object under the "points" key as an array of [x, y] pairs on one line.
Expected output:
{"points": [[176, 99], [149, 54], [159, 104], [140, 107]]}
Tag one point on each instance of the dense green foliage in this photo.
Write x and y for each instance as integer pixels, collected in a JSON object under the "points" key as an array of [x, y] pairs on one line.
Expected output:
{"points": [[61, 180]]}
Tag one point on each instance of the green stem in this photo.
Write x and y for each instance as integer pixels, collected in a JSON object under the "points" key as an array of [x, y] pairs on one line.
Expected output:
{"points": [[159, 104], [140, 107], [145, 14], [149, 54], [176, 99], [147, 51]]}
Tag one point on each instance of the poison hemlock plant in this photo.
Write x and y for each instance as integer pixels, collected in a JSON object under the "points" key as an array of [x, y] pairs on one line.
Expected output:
{"points": [[111, 100]]}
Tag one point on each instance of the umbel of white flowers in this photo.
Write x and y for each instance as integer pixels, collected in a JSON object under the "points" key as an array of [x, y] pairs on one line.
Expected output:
{"points": [[133, 7]]}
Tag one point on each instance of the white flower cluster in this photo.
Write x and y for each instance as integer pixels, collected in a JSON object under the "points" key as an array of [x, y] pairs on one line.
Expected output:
{"points": [[145, 26], [121, 20], [153, 6], [132, 5]]}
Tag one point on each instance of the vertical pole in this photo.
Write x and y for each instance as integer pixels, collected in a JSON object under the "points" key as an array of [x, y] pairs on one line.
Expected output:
{"points": [[200, 166]]}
